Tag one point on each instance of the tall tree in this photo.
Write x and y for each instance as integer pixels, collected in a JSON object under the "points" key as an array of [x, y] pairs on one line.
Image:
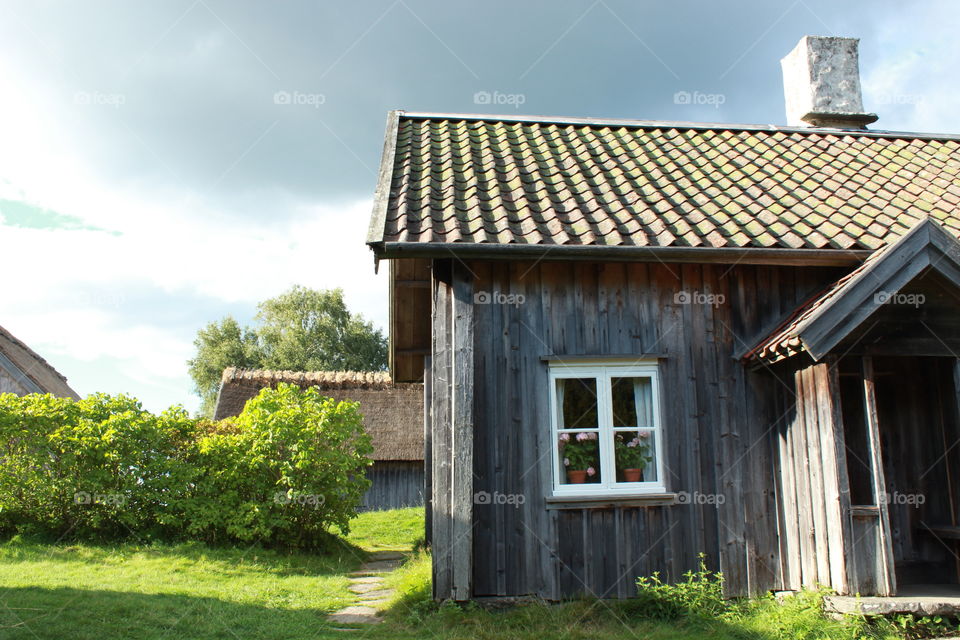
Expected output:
{"points": [[220, 345], [299, 330]]}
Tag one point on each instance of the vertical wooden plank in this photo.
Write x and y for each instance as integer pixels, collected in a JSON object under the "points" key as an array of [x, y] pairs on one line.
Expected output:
{"points": [[462, 433], [836, 533], [441, 358], [535, 480], [691, 346], [886, 580], [817, 487], [709, 397], [486, 376], [502, 418], [733, 433], [788, 480], [428, 449], [801, 473], [846, 532], [549, 556]]}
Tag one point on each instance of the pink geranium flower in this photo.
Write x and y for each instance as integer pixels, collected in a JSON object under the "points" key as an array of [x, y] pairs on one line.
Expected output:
{"points": [[591, 471]]}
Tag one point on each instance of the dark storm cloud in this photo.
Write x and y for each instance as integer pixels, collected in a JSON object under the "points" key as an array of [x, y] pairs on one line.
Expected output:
{"points": [[254, 103]]}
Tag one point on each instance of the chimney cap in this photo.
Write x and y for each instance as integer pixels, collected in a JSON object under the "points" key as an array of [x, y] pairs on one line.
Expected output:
{"points": [[821, 84]]}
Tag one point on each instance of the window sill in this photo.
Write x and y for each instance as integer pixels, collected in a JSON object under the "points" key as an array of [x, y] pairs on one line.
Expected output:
{"points": [[615, 500]]}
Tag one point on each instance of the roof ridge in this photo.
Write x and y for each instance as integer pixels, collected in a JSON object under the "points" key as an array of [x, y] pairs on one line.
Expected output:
{"points": [[333, 379], [672, 124]]}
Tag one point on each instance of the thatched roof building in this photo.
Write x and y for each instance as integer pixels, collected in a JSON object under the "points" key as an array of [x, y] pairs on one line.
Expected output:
{"points": [[392, 413], [23, 371]]}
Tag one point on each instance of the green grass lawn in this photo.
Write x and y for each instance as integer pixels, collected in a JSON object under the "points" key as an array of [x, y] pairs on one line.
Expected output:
{"points": [[186, 591], [153, 592]]}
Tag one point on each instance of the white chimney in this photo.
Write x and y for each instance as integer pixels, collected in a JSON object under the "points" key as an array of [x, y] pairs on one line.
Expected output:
{"points": [[821, 83]]}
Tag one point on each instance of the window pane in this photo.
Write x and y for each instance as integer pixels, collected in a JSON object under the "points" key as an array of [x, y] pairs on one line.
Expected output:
{"points": [[579, 457], [635, 456], [577, 403], [632, 402]]}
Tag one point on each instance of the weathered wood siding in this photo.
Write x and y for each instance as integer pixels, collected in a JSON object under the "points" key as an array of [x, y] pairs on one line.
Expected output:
{"points": [[451, 419], [395, 485], [720, 438], [815, 520]]}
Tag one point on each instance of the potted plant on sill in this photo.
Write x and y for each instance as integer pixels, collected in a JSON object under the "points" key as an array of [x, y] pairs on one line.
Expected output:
{"points": [[580, 455], [632, 456]]}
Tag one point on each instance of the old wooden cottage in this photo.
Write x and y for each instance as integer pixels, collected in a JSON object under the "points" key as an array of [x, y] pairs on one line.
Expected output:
{"points": [[640, 341], [24, 371], [392, 415]]}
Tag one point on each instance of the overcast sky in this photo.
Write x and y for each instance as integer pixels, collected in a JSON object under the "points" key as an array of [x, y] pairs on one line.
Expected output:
{"points": [[164, 164]]}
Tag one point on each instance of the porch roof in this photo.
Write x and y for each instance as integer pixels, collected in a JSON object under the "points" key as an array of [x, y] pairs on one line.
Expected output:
{"points": [[819, 324]]}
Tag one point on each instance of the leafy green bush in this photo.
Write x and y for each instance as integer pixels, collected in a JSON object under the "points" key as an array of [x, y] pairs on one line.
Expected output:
{"points": [[288, 467], [291, 464], [698, 602], [699, 594], [98, 467]]}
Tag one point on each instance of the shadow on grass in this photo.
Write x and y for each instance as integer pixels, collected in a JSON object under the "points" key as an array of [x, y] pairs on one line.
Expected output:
{"points": [[57, 614], [337, 557]]}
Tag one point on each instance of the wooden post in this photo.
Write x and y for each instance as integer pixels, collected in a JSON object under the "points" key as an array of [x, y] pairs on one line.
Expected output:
{"points": [[428, 450], [440, 440], [956, 413], [462, 425], [886, 580]]}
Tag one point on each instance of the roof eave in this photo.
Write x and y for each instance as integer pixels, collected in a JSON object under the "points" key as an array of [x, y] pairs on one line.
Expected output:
{"points": [[619, 253]]}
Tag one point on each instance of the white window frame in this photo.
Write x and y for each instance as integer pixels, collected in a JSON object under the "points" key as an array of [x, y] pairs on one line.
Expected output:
{"points": [[603, 372]]}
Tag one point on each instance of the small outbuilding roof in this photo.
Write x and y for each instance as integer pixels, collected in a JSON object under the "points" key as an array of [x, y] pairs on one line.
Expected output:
{"points": [[819, 324], [31, 371], [392, 412], [487, 183]]}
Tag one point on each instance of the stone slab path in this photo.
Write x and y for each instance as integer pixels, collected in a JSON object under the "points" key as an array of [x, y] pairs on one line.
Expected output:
{"points": [[367, 582]]}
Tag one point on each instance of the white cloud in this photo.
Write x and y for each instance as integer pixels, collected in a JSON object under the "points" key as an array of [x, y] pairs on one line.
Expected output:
{"points": [[61, 300]]}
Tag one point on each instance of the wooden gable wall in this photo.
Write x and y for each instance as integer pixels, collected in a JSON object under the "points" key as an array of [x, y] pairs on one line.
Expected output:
{"points": [[720, 425]]}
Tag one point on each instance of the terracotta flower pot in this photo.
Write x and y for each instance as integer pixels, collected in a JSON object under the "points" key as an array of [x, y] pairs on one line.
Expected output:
{"points": [[632, 475], [576, 477]]}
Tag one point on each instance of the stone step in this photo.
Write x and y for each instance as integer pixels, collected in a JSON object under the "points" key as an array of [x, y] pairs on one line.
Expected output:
{"points": [[379, 594], [366, 587], [357, 614]]}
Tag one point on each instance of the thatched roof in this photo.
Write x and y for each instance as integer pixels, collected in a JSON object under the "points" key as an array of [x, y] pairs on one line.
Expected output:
{"points": [[392, 413], [28, 372]]}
